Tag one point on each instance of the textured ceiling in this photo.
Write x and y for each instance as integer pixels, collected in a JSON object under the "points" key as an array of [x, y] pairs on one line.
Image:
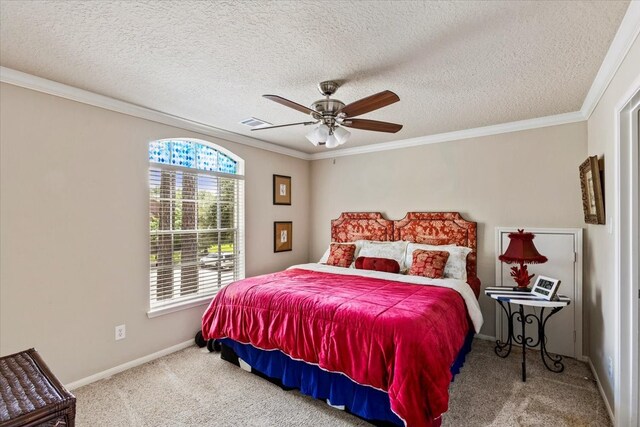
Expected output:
{"points": [[455, 65]]}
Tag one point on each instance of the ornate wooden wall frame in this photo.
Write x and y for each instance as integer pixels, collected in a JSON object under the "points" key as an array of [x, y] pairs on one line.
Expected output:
{"points": [[591, 171]]}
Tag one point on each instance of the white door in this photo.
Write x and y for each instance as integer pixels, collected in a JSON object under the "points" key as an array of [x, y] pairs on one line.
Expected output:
{"points": [[562, 248]]}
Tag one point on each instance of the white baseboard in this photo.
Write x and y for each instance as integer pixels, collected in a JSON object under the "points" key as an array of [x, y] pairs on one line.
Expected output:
{"points": [[132, 364], [600, 389], [485, 337]]}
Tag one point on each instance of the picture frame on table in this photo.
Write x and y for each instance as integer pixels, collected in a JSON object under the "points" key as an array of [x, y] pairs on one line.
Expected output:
{"points": [[591, 185], [281, 190], [545, 287], [282, 236]]}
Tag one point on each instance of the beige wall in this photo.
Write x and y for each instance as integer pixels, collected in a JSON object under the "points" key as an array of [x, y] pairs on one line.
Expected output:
{"points": [[74, 221], [599, 266], [526, 178]]}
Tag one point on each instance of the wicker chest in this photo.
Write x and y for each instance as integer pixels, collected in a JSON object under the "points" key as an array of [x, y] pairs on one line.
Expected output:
{"points": [[31, 395]]}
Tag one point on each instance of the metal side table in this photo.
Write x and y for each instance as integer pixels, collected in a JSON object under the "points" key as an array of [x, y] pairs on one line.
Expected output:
{"points": [[505, 296]]}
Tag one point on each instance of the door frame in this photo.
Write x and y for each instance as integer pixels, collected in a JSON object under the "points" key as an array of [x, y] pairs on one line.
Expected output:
{"points": [[577, 266], [627, 399]]}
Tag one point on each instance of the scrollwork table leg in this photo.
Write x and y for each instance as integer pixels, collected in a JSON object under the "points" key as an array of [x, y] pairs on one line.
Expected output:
{"points": [[503, 349], [547, 359], [524, 344]]}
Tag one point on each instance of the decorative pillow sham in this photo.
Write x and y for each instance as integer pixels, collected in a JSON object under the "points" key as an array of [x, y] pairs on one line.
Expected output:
{"points": [[412, 247], [378, 264], [326, 254], [456, 267], [429, 263], [389, 250], [341, 255]]}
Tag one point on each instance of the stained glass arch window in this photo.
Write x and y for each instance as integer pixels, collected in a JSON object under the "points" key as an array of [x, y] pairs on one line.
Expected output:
{"points": [[193, 154]]}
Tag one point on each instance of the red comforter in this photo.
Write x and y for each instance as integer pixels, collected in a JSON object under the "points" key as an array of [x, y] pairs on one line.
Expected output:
{"points": [[397, 337]]}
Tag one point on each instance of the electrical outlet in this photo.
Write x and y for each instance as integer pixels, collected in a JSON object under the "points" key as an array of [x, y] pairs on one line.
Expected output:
{"points": [[610, 368], [121, 332]]}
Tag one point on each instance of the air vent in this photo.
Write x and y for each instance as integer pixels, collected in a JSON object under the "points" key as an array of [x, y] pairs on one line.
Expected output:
{"points": [[253, 122]]}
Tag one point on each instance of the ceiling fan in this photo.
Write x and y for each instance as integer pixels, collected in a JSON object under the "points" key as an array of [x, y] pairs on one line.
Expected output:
{"points": [[333, 115]]}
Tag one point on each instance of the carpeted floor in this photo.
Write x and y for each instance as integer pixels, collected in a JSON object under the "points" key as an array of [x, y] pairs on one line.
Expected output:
{"points": [[196, 388]]}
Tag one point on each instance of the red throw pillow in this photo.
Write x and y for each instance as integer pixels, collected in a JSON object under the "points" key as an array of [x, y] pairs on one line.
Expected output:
{"points": [[378, 264], [341, 255], [429, 263]]}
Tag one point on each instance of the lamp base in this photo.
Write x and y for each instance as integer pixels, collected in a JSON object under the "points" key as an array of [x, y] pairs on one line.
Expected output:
{"points": [[521, 289]]}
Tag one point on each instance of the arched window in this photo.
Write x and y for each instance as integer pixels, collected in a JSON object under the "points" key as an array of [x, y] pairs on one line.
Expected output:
{"points": [[196, 221]]}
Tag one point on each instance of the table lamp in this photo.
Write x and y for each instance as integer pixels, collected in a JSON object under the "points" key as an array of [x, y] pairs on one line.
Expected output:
{"points": [[522, 251]]}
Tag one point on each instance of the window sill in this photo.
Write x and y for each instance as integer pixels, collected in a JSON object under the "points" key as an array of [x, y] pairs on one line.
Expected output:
{"points": [[161, 311]]}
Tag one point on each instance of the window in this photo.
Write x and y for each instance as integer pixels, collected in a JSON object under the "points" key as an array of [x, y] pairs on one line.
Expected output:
{"points": [[196, 222]]}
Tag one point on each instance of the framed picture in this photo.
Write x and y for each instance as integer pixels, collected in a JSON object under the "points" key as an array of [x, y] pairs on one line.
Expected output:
{"points": [[591, 184], [545, 287], [281, 190], [282, 236]]}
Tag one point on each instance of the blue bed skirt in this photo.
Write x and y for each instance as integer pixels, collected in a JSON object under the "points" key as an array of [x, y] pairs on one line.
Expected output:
{"points": [[363, 401]]}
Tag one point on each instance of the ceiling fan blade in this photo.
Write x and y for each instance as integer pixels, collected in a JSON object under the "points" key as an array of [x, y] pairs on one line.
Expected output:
{"points": [[290, 104], [370, 103], [281, 126], [373, 125]]}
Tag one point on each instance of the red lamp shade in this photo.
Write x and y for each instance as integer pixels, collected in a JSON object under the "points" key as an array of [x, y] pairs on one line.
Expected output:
{"points": [[521, 250]]}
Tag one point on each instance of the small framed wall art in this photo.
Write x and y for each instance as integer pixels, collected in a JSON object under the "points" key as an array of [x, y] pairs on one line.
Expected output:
{"points": [[281, 190], [591, 184], [282, 236], [545, 287]]}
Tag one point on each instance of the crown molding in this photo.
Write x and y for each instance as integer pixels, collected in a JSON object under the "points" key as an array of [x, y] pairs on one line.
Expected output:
{"points": [[622, 42], [558, 119], [28, 81]]}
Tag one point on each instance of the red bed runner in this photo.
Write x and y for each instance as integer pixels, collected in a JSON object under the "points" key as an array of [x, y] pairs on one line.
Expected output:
{"points": [[397, 337]]}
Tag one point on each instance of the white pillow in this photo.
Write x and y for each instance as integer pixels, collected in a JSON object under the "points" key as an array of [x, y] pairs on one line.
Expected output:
{"points": [[358, 244], [456, 267], [390, 250]]}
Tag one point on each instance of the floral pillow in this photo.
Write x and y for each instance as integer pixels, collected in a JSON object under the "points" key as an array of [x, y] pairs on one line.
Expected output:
{"points": [[429, 263], [456, 267], [341, 255], [411, 247], [325, 256]]}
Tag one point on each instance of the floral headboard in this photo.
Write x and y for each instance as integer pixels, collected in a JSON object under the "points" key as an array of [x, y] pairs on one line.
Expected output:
{"points": [[435, 228], [439, 228], [352, 226]]}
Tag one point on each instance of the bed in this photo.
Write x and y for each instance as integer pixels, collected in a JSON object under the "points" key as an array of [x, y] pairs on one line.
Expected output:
{"points": [[382, 346]]}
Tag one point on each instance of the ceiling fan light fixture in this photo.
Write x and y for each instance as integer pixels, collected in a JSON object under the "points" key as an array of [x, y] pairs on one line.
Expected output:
{"points": [[332, 141], [318, 135], [311, 136], [341, 134]]}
